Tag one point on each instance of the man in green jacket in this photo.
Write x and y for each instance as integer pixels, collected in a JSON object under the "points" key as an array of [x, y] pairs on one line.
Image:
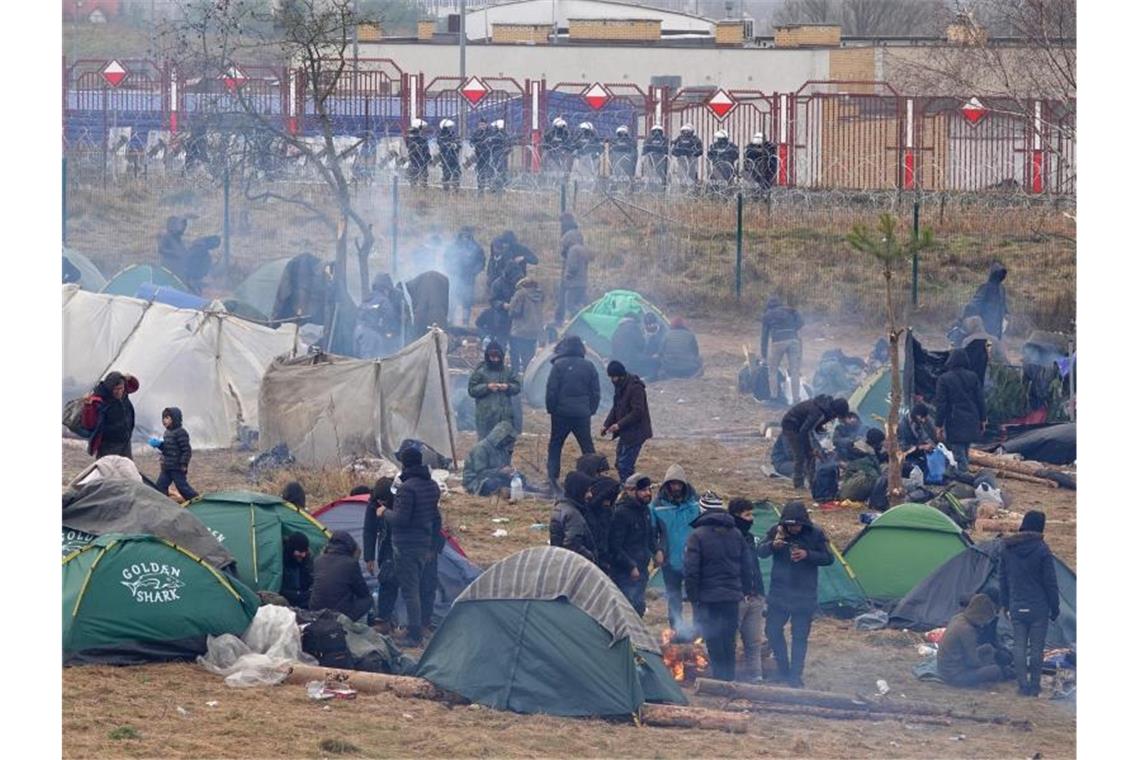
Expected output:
{"points": [[487, 467], [491, 385]]}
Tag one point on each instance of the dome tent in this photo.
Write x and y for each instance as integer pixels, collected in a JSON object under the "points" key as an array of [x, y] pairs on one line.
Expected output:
{"points": [[546, 631], [595, 324], [126, 281], [253, 526], [132, 599]]}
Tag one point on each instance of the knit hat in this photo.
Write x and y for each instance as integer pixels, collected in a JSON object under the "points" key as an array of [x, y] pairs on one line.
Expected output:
{"points": [[710, 500], [296, 542], [1033, 522], [739, 505], [839, 407], [638, 481], [411, 457], [615, 369], [875, 437]]}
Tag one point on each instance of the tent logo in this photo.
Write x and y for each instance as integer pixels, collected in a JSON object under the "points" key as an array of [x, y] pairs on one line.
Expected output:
{"points": [[217, 534], [74, 540], [152, 582]]}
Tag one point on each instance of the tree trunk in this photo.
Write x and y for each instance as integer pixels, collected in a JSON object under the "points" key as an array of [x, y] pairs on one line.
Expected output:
{"points": [[373, 683], [895, 494], [677, 716]]}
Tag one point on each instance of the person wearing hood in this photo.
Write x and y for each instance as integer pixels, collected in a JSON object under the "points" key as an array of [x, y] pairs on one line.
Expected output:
{"points": [[415, 524], [717, 564], [488, 468], [525, 309], [571, 235], [989, 302], [972, 329], [378, 555], [492, 384], [960, 407], [594, 465], [576, 277], [1028, 580], [599, 514], [781, 326], [962, 661], [509, 260], [752, 586], [629, 346], [176, 453], [633, 540], [294, 493], [429, 293], [378, 327], [110, 416], [338, 583], [863, 467], [798, 549], [628, 421], [801, 423], [680, 355], [783, 463], [297, 570], [675, 507], [568, 526], [465, 260], [573, 393]]}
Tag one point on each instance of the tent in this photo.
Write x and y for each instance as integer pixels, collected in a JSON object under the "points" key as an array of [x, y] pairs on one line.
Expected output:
{"points": [[596, 323], [455, 571], [253, 526], [132, 599], [128, 506], [941, 594], [538, 372], [1053, 444], [208, 363], [900, 548], [546, 631], [90, 278], [329, 408], [872, 399], [126, 281], [259, 289]]}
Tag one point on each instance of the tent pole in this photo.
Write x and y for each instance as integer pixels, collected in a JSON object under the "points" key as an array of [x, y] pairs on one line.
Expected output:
{"points": [[446, 393]]}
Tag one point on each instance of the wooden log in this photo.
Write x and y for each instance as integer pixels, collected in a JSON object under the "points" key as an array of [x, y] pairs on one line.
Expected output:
{"points": [[679, 716], [374, 683], [1019, 476], [1009, 464], [997, 526], [831, 714]]}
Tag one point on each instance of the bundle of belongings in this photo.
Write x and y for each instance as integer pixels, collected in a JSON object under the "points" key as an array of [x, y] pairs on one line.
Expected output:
{"points": [[838, 374], [338, 642]]}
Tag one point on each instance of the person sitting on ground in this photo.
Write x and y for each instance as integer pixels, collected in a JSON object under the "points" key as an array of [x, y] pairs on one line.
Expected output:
{"points": [[338, 583], [492, 384], [848, 430], [680, 355], [782, 460], [655, 333], [628, 421], [297, 570], [176, 452], [961, 660], [863, 469], [593, 465], [916, 435], [378, 554], [633, 540], [798, 426], [294, 493], [627, 345], [568, 526], [488, 469], [675, 507], [599, 514], [837, 373], [752, 586], [1029, 594]]}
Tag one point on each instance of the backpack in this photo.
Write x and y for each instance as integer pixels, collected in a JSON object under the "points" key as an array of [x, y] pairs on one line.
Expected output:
{"points": [[935, 466], [73, 416], [825, 484]]}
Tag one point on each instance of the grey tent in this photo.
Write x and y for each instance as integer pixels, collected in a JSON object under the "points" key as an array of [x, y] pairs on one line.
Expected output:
{"points": [[90, 278], [1053, 444], [942, 594], [130, 507], [538, 372]]}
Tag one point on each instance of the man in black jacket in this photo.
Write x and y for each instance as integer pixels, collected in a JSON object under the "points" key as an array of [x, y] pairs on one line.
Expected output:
{"points": [[752, 605], [297, 570], [655, 158], [717, 562], [415, 524], [960, 407], [599, 514], [800, 423], [572, 397], [379, 557], [781, 325], [568, 526], [798, 549], [1029, 595], [628, 420], [338, 583], [633, 540]]}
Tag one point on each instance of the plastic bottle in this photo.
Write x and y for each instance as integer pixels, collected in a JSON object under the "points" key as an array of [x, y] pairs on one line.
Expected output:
{"points": [[516, 487]]}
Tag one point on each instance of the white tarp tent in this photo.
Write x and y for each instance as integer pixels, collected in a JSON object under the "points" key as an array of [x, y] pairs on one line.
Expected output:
{"points": [[328, 409], [207, 363]]}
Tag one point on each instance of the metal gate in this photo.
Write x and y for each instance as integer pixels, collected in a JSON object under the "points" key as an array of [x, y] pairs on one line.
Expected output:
{"points": [[752, 111]]}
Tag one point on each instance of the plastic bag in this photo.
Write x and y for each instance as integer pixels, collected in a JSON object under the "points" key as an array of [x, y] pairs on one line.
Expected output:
{"points": [[936, 464], [260, 656]]}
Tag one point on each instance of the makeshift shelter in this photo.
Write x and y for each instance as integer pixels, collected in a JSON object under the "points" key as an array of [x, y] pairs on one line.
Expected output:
{"points": [[116, 505], [546, 631], [538, 372], [253, 526], [1053, 444], [90, 278], [126, 281], [132, 599], [872, 399], [329, 408], [900, 548], [596, 323], [207, 363], [943, 593]]}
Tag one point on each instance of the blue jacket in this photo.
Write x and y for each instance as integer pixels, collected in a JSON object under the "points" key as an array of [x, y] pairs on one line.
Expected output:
{"points": [[675, 519]]}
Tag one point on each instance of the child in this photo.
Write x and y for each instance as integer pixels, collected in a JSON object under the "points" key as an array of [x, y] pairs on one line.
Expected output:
{"points": [[176, 452]]}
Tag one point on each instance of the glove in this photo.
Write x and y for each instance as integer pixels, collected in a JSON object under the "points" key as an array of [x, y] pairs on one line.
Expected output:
{"points": [[155, 442]]}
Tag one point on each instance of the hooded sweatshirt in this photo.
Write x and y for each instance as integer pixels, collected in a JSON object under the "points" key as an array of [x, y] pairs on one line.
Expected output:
{"points": [[526, 310], [958, 650], [717, 560], [592, 464], [794, 585], [175, 448], [675, 517], [488, 456], [1028, 577], [492, 407], [572, 389], [338, 583], [568, 526]]}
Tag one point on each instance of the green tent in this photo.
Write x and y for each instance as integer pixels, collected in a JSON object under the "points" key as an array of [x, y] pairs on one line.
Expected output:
{"points": [[253, 526], [900, 548], [134, 598], [872, 399], [546, 631], [259, 290], [127, 281], [596, 323]]}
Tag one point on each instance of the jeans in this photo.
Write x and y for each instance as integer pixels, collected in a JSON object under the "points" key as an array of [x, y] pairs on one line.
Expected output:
{"points": [[794, 351], [801, 629], [178, 477], [718, 622], [627, 459], [674, 596], [634, 590], [410, 571], [560, 427], [522, 351], [752, 632], [1028, 651]]}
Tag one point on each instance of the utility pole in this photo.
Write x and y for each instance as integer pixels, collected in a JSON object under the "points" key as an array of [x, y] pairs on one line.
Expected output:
{"points": [[463, 66]]}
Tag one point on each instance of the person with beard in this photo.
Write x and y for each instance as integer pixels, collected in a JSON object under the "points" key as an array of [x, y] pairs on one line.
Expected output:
{"points": [[752, 586], [572, 397], [675, 508], [989, 302], [568, 526], [628, 421], [110, 416], [633, 540], [492, 384], [378, 554], [599, 514], [1029, 594]]}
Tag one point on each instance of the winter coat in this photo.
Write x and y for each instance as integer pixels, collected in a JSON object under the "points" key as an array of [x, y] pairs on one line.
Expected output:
{"points": [[793, 585], [761, 163], [717, 560], [526, 310], [675, 518], [419, 150], [414, 518], [577, 273], [912, 434], [806, 418], [429, 293], [492, 407], [960, 404], [779, 323], [338, 583], [466, 259], [572, 389], [297, 579], [488, 456], [630, 412], [568, 526], [110, 420], [495, 321], [599, 514], [377, 536], [569, 239], [175, 448], [688, 145], [1028, 577], [989, 302], [753, 581], [958, 649], [633, 536], [592, 465], [172, 250], [449, 147], [302, 292], [680, 354], [627, 344]]}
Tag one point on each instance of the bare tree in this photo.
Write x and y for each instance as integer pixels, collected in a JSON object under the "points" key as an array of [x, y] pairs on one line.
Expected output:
{"points": [[868, 18]]}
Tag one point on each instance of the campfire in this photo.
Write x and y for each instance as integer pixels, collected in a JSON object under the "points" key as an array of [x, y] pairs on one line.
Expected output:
{"points": [[686, 661]]}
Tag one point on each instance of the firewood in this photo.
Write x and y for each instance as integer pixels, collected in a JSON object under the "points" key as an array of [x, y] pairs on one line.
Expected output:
{"points": [[678, 716], [1022, 477], [833, 714], [374, 683], [997, 526], [1009, 464]]}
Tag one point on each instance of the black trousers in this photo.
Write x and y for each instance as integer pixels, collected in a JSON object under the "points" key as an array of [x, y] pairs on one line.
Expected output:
{"points": [[1029, 651], [718, 623], [560, 427], [522, 351], [778, 617], [411, 569], [802, 456]]}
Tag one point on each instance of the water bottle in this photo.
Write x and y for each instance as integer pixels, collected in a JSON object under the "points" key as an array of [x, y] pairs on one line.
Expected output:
{"points": [[516, 487]]}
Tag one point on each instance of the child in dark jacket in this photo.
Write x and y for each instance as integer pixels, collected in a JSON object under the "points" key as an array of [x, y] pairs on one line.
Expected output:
{"points": [[176, 453]]}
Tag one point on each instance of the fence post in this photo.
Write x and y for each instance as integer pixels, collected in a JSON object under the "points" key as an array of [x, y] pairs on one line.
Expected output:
{"points": [[65, 200], [562, 198], [395, 228], [914, 261], [739, 242], [226, 222]]}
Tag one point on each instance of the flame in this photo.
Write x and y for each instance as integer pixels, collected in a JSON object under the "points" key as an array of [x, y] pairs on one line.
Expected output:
{"points": [[685, 661]]}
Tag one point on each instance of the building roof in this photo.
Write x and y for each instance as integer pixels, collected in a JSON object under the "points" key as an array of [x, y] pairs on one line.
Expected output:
{"points": [[543, 12]]}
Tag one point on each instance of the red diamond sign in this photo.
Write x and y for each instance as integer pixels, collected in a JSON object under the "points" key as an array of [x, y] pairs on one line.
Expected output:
{"points": [[234, 78], [721, 104], [114, 73], [474, 90], [596, 96], [973, 111]]}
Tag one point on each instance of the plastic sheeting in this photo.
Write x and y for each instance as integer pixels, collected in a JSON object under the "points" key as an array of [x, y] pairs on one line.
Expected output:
{"points": [[263, 653]]}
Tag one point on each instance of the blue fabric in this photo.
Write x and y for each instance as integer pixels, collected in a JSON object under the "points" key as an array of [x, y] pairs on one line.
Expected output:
{"points": [[935, 466], [627, 459], [676, 521]]}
